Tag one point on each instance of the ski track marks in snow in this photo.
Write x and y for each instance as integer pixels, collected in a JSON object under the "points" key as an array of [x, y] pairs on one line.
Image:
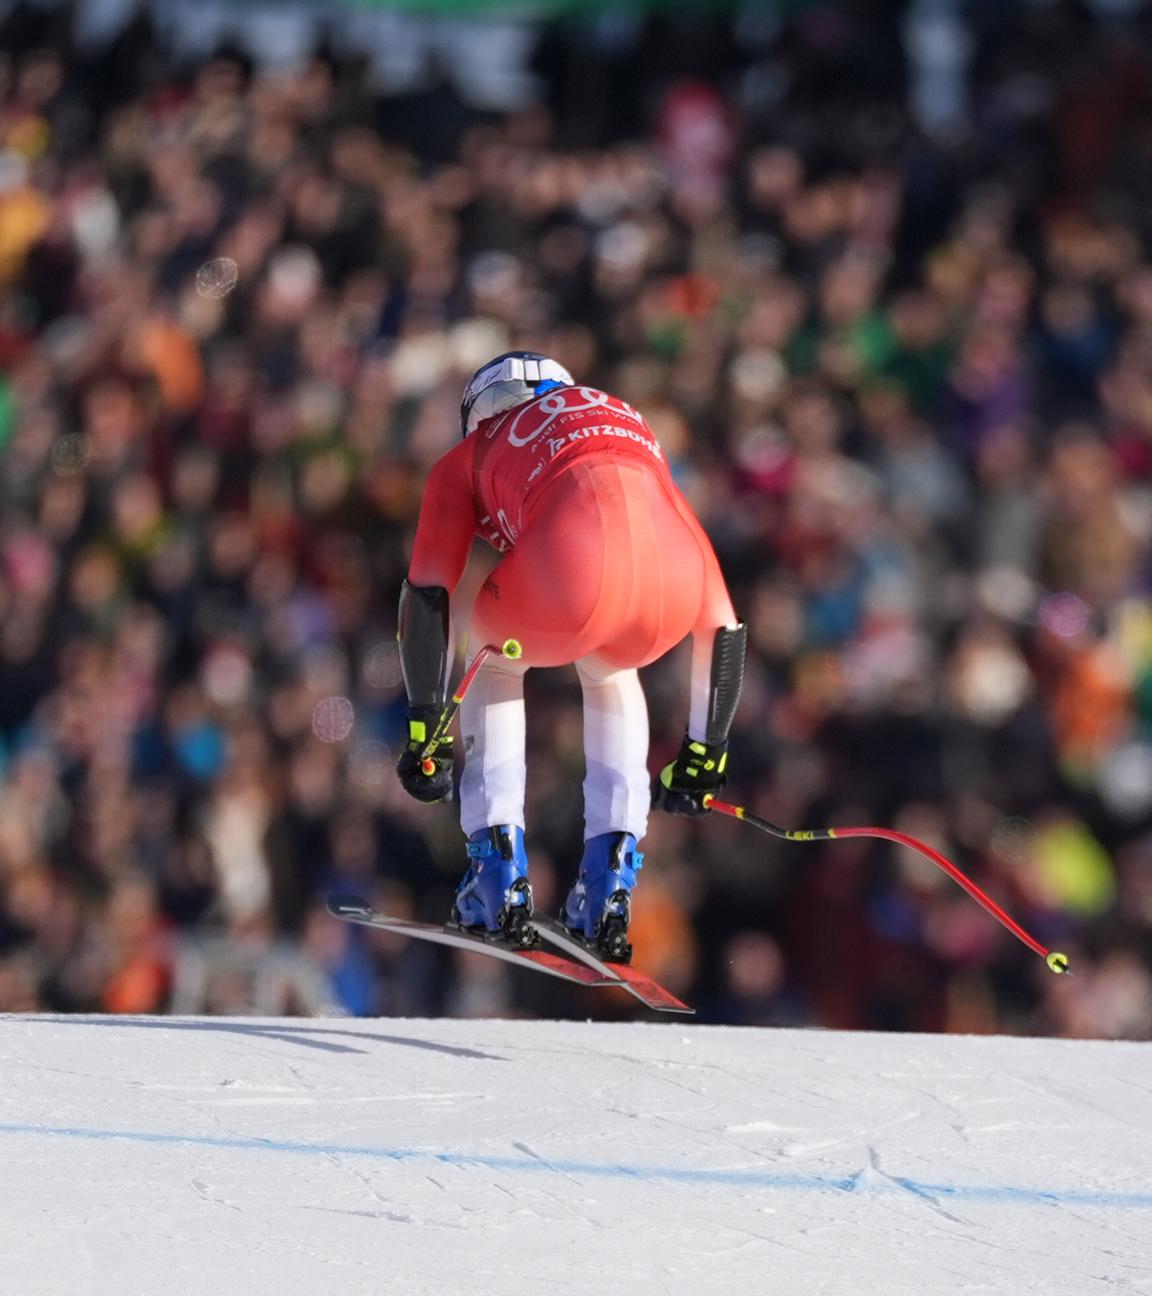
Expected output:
{"points": [[288, 1158]]}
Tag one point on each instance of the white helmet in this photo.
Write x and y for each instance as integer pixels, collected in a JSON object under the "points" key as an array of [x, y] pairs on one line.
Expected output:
{"points": [[508, 381]]}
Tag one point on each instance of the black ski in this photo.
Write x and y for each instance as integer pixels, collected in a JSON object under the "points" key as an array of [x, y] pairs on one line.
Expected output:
{"points": [[353, 909], [649, 991], [576, 963]]}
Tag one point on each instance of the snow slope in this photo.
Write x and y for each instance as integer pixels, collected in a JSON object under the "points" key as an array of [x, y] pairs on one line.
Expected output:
{"points": [[323, 1157]]}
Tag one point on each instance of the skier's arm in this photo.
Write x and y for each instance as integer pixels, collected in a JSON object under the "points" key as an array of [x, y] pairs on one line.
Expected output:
{"points": [[717, 677], [444, 535], [719, 643], [447, 524]]}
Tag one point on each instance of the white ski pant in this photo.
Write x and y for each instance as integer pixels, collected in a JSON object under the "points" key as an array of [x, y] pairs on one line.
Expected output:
{"points": [[616, 791]]}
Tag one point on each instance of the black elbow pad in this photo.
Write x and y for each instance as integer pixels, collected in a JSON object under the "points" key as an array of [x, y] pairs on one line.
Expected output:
{"points": [[422, 632], [728, 651]]}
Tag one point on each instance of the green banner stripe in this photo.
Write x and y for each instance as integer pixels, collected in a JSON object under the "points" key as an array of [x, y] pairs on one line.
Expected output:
{"points": [[553, 8]]}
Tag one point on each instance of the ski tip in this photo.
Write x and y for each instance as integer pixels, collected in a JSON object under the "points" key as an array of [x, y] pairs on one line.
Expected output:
{"points": [[343, 905]]}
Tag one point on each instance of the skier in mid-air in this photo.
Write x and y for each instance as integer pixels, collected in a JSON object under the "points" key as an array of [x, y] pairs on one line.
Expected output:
{"points": [[605, 567]]}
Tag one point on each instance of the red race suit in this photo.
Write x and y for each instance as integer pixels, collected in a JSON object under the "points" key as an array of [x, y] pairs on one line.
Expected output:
{"points": [[603, 555]]}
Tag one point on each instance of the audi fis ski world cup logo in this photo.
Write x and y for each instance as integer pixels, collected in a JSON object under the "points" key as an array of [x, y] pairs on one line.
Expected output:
{"points": [[537, 417]]}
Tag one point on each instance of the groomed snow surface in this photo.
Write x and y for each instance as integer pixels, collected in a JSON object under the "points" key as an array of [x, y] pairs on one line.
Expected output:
{"points": [[223, 1157]]}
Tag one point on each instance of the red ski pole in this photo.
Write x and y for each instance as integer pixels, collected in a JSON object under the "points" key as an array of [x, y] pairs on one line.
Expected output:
{"points": [[1056, 961], [512, 649]]}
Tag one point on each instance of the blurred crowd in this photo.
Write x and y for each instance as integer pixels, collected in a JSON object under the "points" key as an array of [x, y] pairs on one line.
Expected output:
{"points": [[897, 347]]}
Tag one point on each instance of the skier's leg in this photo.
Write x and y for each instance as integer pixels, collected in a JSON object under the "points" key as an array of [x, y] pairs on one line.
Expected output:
{"points": [[492, 727], [616, 792], [494, 893], [616, 799], [516, 601], [659, 585]]}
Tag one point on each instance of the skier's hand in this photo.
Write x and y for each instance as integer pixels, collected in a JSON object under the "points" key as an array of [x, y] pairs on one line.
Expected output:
{"points": [[696, 774], [427, 780]]}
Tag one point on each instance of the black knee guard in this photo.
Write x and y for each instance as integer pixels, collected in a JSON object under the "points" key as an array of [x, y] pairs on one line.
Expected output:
{"points": [[728, 650], [422, 632]]}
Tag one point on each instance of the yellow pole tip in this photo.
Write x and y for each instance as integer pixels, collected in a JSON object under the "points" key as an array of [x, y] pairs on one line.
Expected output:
{"points": [[1057, 962], [513, 649], [428, 767]]}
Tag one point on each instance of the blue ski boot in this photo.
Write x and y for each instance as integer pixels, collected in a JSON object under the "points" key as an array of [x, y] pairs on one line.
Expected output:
{"points": [[598, 907], [494, 900]]}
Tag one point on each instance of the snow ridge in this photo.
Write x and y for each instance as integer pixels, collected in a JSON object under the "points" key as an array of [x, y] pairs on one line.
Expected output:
{"points": [[312, 1156]]}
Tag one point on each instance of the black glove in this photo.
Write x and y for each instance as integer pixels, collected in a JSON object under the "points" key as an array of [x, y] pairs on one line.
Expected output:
{"points": [[695, 773], [425, 786]]}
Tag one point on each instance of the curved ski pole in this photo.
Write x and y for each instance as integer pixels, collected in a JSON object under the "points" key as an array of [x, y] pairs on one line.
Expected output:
{"points": [[1057, 962], [512, 649]]}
